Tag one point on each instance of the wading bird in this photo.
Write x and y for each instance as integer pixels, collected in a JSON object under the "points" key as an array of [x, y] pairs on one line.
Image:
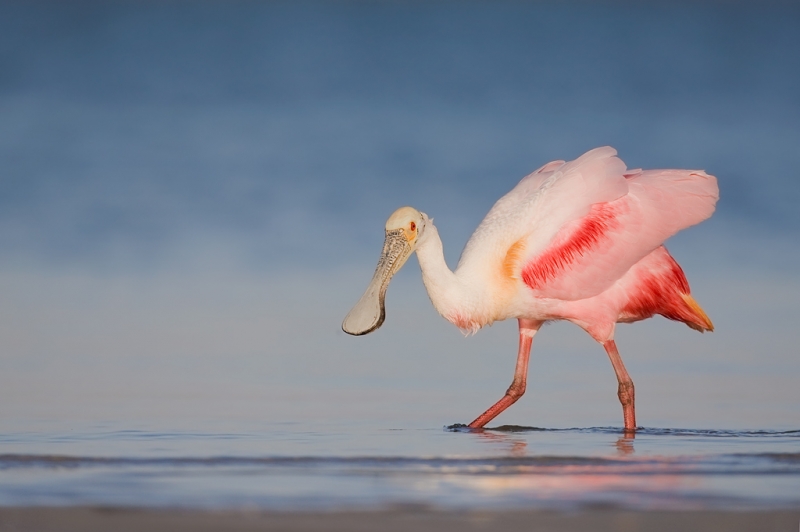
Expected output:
{"points": [[580, 241]]}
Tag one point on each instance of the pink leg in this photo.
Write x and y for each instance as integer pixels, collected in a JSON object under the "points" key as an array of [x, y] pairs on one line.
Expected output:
{"points": [[527, 328], [625, 390]]}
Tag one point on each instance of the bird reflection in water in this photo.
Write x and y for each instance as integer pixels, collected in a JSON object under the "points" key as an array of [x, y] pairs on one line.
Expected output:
{"points": [[624, 443], [517, 445], [529, 472]]}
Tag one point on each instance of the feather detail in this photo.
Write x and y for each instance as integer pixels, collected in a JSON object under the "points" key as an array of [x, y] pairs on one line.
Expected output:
{"points": [[588, 233], [512, 259]]}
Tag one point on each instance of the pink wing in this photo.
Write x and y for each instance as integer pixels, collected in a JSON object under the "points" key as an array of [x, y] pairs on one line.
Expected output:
{"points": [[543, 202], [590, 252]]}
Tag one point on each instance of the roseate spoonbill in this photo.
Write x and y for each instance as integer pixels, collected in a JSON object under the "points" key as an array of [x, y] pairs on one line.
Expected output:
{"points": [[580, 241]]}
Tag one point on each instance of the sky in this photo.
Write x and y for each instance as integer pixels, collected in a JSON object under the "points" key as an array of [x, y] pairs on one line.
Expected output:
{"points": [[192, 196]]}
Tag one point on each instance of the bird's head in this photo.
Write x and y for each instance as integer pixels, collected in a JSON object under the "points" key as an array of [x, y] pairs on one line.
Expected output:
{"points": [[404, 229]]}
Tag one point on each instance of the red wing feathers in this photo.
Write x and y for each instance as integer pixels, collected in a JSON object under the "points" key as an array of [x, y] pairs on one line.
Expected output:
{"points": [[588, 255], [588, 234]]}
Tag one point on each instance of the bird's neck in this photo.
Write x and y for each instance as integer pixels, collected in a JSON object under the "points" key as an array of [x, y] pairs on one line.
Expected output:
{"points": [[451, 296]]}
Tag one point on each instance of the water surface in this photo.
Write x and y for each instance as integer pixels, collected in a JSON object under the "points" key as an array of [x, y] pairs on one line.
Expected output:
{"points": [[297, 467]]}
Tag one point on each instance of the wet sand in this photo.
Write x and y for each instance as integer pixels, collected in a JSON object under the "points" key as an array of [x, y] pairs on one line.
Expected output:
{"points": [[87, 519]]}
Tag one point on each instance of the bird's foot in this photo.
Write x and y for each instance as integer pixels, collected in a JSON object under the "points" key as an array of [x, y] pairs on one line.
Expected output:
{"points": [[460, 427]]}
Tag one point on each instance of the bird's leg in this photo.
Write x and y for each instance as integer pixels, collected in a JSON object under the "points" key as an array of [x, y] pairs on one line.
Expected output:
{"points": [[625, 390], [527, 328]]}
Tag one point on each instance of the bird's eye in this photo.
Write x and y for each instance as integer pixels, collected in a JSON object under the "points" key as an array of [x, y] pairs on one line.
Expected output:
{"points": [[413, 226]]}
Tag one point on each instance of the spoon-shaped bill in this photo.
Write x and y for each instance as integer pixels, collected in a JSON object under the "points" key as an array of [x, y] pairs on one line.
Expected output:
{"points": [[368, 314]]}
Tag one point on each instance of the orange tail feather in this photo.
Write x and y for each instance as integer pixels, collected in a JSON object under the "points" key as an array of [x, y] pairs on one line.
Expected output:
{"points": [[694, 316]]}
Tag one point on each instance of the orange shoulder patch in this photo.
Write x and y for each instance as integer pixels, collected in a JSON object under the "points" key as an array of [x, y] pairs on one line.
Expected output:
{"points": [[513, 258]]}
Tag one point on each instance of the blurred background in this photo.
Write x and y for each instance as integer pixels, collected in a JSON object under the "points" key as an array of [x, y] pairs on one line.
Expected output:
{"points": [[192, 196]]}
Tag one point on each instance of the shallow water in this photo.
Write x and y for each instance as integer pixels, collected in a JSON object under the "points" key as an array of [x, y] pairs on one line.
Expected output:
{"points": [[302, 467]]}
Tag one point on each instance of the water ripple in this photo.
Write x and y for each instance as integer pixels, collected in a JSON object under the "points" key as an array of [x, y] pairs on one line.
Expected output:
{"points": [[641, 431]]}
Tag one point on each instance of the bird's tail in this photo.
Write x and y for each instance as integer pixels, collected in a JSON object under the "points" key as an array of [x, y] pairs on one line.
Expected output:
{"points": [[693, 315], [664, 290]]}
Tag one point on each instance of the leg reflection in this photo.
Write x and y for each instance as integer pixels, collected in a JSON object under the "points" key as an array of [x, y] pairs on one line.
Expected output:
{"points": [[624, 443], [517, 447]]}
